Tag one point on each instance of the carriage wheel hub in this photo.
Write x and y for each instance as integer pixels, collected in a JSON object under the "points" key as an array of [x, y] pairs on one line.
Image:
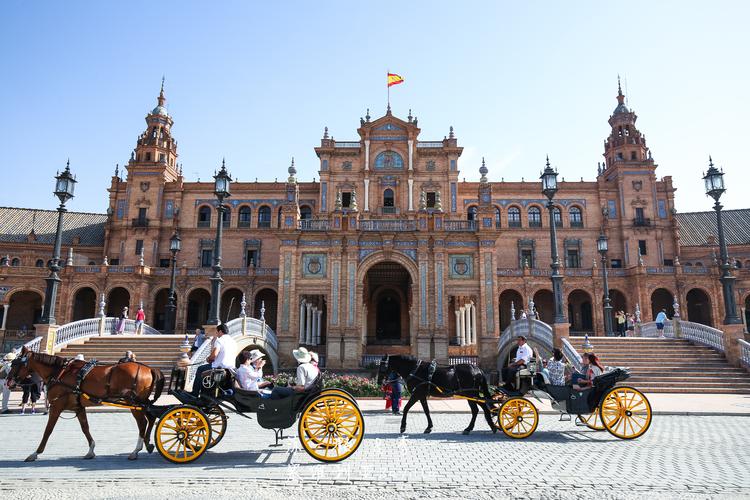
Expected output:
{"points": [[331, 428], [182, 435], [629, 413]]}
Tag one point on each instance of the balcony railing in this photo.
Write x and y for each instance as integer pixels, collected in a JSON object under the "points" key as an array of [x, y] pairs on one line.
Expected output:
{"points": [[642, 222], [535, 223], [204, 223], [430, 144], [389, 210], [576, 224], [347, 144], [140, 222], [314, 225], [460, 225], [514, 223], [388, 225]]}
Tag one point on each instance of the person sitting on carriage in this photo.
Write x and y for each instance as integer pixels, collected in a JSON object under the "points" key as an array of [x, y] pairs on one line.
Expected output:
{"points": [[306, 375], [250, 372], [128, 358], [523, 355], [555, 368], [592, 368], [223, 355]]}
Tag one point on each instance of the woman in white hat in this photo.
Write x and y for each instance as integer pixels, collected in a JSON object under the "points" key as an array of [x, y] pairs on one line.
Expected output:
{"points": [[250, 372], [306, 375]]}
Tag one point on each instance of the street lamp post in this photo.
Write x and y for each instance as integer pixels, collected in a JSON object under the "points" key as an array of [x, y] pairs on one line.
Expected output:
{"points": [[601, 245], [549, 188], [170, 321], [64, 188], [714, 180], [221, 190]]}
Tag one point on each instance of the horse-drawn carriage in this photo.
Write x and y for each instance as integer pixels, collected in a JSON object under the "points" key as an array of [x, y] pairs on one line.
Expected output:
{"points": [[330, 424], [622, 410]]}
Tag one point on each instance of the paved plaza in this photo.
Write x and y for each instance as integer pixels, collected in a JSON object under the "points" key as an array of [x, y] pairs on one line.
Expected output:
{"points": [[680, 457]]}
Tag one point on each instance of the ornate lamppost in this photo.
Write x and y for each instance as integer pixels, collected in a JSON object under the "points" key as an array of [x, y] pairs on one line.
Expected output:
{"points": [[221, 190], [64, 188], [714, 180], [171, 319], [549, 188], [601, 245]]}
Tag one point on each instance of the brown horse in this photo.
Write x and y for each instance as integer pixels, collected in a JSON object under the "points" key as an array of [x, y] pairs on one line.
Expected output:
{"points": [[128, 384]]}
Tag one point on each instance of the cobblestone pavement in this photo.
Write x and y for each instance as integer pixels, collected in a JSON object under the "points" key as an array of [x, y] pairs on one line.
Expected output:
{"points": [[679, 457]]}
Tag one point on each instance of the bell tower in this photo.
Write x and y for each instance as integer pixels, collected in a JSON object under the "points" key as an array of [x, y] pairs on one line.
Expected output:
{"points": [[625, 143]]}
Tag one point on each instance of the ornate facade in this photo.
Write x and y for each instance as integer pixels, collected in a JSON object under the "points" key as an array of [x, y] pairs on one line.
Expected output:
{"points": [[390, 251]]}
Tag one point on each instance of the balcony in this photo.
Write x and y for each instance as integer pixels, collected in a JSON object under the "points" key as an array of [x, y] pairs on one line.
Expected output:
{"points": [[514, 223], [460, 225], [642, 222], [314, 225], [389, 210], [388, 225], [576, 224], [204, 223], [535, 223], [140, 222]]}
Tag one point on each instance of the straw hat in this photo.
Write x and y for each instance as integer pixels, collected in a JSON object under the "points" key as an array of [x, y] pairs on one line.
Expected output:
{"points": [[10, 356], [255, 355], [301, 355]]}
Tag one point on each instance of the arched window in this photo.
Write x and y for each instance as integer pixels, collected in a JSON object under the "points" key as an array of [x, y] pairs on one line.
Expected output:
{"points": [[244, 217], [497, 217], [471, 213], [738, 264], [575, 216], [689, 264], [15, 262], [39, 263], [264, 216], [558, 217], [305, 212], [535, 217], [699, 264], [514, 217], [226, 216], [389, 160], [388, 200], [204, 216]]}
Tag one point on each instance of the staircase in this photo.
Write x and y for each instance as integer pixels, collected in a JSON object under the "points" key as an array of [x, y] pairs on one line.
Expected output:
{"points": [[669, 365], [157, 351]]}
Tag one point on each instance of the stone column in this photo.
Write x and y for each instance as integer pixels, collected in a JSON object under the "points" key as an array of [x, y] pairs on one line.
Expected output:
{"points": [[367, 195], [462, 330], [474, 328], [458, 327], [317, 329], [467, 323], [301, 321], [308, 322], [6, 307], [367, 155], [411, 154], [311, 333], [411, 196]]}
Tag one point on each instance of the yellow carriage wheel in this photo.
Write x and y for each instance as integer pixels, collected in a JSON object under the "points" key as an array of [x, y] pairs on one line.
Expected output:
{"points": [[518, 418], [592, 420], [217, 419], [625, 412], [331, 427], [183, 434]]}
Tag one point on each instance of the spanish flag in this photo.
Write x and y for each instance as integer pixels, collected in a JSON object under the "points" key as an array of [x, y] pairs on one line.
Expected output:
{"points": [[394, 79]]}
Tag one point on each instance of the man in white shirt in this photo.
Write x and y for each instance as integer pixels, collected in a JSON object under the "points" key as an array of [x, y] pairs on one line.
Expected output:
{"points": [[223, 355], [523, 355]]}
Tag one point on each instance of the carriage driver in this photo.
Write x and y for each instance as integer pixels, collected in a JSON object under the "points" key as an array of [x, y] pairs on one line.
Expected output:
{"points": [[223, 355], [523, 355]]}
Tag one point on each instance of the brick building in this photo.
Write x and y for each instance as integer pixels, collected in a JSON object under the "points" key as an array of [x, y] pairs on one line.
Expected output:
{"points": [[388, 252]]}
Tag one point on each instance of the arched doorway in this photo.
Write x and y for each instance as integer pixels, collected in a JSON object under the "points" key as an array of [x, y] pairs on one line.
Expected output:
{"points": [[84, 304], [25, 310], [699, 307], [270, 300], [544, 303], [618, 302], [747, 310], [230, 304], [118, 298], [387, 286], [580, 314], [508, 299], [160, 309], [198, 304], [661, 299]]}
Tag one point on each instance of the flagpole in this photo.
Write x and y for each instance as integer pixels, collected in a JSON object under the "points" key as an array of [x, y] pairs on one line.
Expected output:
{"points": [[388, 87]]}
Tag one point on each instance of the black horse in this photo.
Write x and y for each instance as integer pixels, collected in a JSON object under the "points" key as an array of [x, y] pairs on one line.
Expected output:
{"points": [[446, 381]]}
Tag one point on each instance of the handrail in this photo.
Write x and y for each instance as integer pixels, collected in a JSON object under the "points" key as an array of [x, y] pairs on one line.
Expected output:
{"points": [[34, 345], [694, 332], [533, 329], [92, 327], [744, 353], [571, 354]]}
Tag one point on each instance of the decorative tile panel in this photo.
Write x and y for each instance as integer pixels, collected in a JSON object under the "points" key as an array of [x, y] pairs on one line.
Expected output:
{"points": [[314, 265], [352, 292], [454, 190], [488, 288], [287, 291], [335, 300], [423, 294], [461, 266], [323, 195], [439, 294]]}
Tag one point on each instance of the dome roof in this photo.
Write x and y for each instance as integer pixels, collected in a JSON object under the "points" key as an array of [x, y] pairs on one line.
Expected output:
{"points": [[160, 110], [621, 108]]}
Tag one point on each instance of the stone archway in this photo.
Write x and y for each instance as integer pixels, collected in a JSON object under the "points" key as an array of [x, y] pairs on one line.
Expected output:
{"points": [[747, 312], [662, 299], [544, 303], [198, 304], [509, 298], [269, 299], [161, 299], [387, 287], [25, 310], [618, 301], [580, 313], [84, 304], [230, 304], [118, 299], [699, 307]]}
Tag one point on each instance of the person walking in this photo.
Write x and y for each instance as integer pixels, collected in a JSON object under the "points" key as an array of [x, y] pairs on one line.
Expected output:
{"points": [[629, 324], [4, 372], [30, 394], [121, 321], [620, 323], [200, 337], [140, 317], [660, 319], [397, 386]]}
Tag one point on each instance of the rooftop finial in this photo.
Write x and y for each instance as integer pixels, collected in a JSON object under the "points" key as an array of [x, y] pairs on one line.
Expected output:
{"points": [[117, 170], [388, 111], [367, 116], [410, 117], [223, 163], [620, 96], [451, 136], [325, 133], [483, 170], [292, 171], [547, 160], [161, 93], [619, 87], [710, 161]]}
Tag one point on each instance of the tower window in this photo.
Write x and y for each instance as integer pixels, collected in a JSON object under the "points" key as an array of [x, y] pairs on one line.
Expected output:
{"points": [[162, 158], [642, 247], [633, 156], [206, 257], [346, 199], [471, 214], [572, 259], [576, 217], [388, 198], [148, 156], [619, 156], [39, 263], [251, 258], [138, 246], [430, 196], [497, 217], [527, 258], [558, 217], [305, 212]]}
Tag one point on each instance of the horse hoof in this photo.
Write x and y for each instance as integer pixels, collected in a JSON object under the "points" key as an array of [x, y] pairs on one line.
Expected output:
{"points": [[403, 429], [494, 430], [150, 448], [133, 456], [466, 432], [427, 431], [89, 456], [30, 458]]}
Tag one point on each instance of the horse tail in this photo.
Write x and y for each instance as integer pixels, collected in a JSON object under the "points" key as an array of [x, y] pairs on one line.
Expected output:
{"points": [[158, 383]]}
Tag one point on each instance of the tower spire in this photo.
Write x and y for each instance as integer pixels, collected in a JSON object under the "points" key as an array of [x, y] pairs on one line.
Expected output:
{"points": [[161, 98], [620, 95]]}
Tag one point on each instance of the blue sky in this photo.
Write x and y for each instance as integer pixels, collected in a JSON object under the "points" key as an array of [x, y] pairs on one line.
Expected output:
{"points": [[256, 82]]}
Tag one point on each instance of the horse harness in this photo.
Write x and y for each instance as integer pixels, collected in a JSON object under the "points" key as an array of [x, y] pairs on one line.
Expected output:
{"points": [[81, 376]]}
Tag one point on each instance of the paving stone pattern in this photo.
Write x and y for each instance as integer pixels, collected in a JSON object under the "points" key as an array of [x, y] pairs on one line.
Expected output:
{"points": [[679, 457]]}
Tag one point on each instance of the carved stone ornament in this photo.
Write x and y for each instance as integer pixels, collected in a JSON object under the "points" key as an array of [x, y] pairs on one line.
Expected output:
{"points": [[637, 185], [145, 185], [639, 202]]}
